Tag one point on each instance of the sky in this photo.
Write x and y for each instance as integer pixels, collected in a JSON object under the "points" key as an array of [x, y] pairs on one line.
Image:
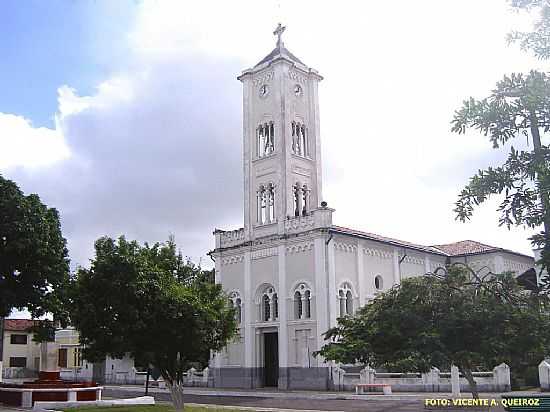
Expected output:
{"points": [[126, 116]]}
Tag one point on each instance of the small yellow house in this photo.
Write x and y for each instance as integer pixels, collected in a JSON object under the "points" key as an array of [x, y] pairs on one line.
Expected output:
{"points": [[21, 357]]}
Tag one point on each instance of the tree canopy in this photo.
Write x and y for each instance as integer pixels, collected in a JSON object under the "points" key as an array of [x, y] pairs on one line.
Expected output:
{"points": [[34, 267], [538, 40], [456, 318], [151, 303], [519, 106]]}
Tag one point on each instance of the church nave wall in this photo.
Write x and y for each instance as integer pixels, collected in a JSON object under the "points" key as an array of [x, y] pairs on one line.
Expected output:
{"points": [[231, 273], [377, 261], [302, 342], [412, 264], [299, 266], [233, 354]]}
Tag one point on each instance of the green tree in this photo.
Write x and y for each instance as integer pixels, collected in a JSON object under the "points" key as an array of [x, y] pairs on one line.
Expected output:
{"points": [[149, 302], [518, 106], [34, 267], [453, 318], [538, 40]]}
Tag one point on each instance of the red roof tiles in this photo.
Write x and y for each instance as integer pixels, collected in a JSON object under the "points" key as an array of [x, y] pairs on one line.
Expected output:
{"points": [[467, 247], [20, 325]]}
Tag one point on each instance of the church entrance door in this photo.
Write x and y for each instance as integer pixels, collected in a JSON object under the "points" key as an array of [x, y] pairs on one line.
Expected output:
{"points": [[271, 359]]}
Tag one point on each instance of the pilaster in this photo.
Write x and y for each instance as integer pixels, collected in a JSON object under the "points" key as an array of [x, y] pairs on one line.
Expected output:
{"points": [[333, 307], [396, 269], [283, 329], [427, 263], [248, 318], [361, 278], [321, 291]]}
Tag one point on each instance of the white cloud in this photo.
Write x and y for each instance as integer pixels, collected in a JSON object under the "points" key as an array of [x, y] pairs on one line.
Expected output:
{"points": [[24, 145], [158, 144]]}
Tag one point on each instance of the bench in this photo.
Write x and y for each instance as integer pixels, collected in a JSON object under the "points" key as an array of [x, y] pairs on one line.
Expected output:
{"points": [[386, 387]]}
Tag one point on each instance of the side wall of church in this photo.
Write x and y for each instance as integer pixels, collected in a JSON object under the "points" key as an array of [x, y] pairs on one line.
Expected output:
{"points": [[377, 261], [231, 271]]}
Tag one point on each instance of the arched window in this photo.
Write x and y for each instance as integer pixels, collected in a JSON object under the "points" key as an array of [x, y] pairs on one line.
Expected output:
{"points": [[297, 305], [345, 297], [266, 204], [297, 199], [265, 137], [342, 300], [269, 305], [305, 200], [378, 282], [239, 310], [302, 302], [349, 303], [236, 303], [266, 308], [275, 301], [300, 145]]}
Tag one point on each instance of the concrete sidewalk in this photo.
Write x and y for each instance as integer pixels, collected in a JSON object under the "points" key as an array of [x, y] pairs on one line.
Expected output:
{"points": [[316, 395]]}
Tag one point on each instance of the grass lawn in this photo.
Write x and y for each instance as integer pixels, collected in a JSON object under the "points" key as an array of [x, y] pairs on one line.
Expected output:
{"points": [[147, 408]]}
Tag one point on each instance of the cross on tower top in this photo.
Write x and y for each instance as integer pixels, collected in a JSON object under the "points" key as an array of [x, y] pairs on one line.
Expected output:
{"points": [[278, 32]]}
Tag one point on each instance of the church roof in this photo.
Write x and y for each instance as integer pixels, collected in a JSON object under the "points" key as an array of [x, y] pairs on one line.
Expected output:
{"points": [[389, 240], [456, 249], [279, 52], [470, 247]]}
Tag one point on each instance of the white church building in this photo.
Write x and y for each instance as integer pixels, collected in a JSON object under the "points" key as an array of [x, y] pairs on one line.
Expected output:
{"points": [[290, 272]]}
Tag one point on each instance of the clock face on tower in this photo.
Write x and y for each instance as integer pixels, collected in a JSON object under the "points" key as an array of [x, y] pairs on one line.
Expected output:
{"points": [[264, 90]]}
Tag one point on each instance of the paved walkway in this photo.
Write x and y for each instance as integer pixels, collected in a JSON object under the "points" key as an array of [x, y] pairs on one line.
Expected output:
{"points": [[307, 400]]}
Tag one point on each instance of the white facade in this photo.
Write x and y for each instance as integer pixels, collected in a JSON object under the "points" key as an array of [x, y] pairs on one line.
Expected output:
{"points": [[290, 271]]}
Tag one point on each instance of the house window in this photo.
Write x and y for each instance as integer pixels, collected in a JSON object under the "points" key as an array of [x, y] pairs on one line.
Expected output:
{"points": [[77, 357], [62, 361], [18, 362], [18, 339], [265, 139]]}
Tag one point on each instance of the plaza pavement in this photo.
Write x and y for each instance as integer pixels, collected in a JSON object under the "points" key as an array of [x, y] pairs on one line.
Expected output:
{"points": [[274, 400]]}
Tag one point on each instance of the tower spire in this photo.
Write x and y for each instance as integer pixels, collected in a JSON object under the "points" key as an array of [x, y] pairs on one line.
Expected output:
{"points": [[279, 30]]}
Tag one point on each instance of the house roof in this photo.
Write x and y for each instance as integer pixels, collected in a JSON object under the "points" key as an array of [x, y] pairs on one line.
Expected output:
{"points": [[20, 325]]}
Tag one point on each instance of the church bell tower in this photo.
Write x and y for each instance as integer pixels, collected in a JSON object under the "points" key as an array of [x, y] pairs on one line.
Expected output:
{"points": [[282, 150]]}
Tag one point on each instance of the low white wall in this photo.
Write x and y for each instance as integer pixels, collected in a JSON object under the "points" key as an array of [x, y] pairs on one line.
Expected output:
{"points": [[497, 380]]}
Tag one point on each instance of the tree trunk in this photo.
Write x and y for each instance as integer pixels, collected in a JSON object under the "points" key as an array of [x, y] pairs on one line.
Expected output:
{"points": [[471, 381], [535, 134], [176, 390]]}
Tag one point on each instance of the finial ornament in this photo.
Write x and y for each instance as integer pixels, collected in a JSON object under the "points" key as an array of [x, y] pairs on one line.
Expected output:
{"points": [[278, 32]]}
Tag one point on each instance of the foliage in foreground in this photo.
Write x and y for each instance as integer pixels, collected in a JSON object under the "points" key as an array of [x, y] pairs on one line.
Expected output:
{"points": [[34, 267], [455, 318], [149, 302]]}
